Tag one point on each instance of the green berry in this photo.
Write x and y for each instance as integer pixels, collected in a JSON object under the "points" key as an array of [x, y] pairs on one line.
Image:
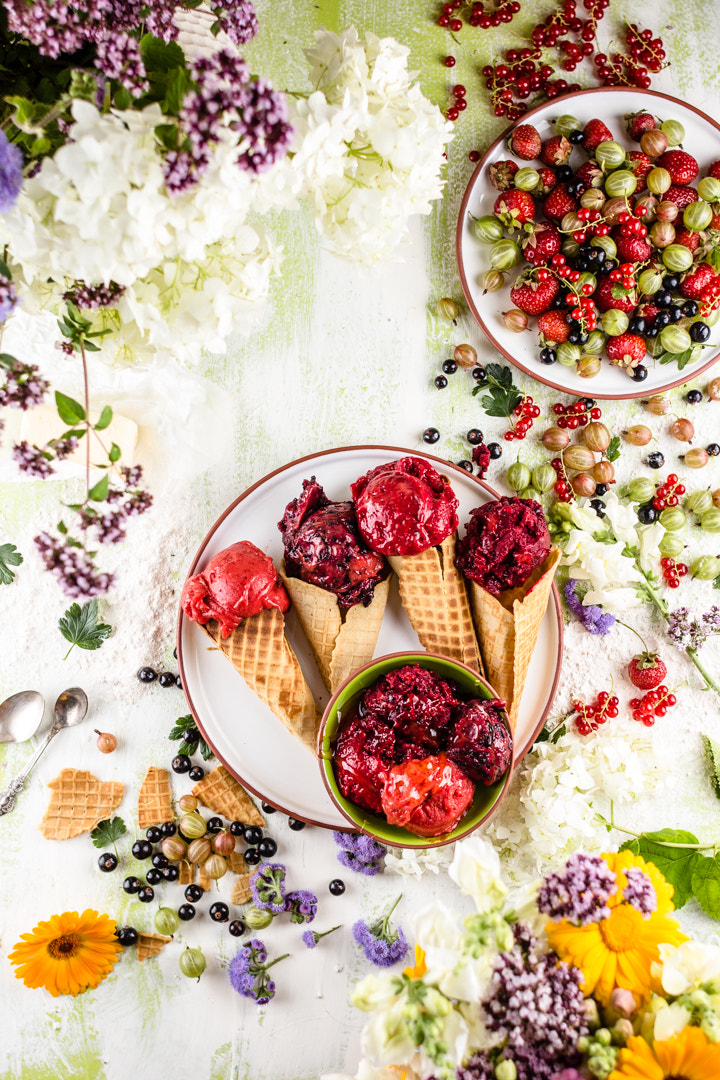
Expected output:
{"points": [[518, 476], [706, 568], [488, 229]]}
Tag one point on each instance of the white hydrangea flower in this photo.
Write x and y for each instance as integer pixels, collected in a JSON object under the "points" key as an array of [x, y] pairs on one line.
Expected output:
{"points": [[414, 862]]}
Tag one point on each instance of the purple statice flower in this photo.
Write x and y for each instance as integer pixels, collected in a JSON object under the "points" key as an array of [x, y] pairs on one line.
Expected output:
{"points": [[11, 173], [73, 568], [302, 905], [592, 617], [311, 937], [684, 630], [640, 892], [118, 57], [91, 297], [248, 972], [711, 619], [268, 887], [237, 18], [382, 946], [63, 448], [24, 386], [32, 461], [8, 296], [360, 853], [263, 126], [536, 1006], [580, 892]]}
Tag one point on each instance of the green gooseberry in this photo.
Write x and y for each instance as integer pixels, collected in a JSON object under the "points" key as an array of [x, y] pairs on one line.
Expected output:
{"points": [[566, 124], [166, 921], [709, 189], [650, 281], [675, 339], [674, 131], [567, 354], [614, 321], [586, 278], [658, 181], [677, 257], [671, 545], [529, 493], [488, 229], [699, 502], [518, 476], [543, 477], [606, 243], [595, 342], [640, 490], [526, 179], [192, 963], [706, 568], [257, 918], [505, 254], [697, 216], [621, 183], [672, 518], [570, 248], [710, 521], [609, 154]]}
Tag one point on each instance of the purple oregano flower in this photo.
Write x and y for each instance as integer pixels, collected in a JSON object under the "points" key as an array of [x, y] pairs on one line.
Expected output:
{"points": [[302, 905], [248, 972], [118, 57], [237, 18], [580, 892], [684, 630], [592, 617], [640, 892], [24, 386], [73, 569], [360, 853], [268, 887], [8, 296], [32, 460], [382, 946]]}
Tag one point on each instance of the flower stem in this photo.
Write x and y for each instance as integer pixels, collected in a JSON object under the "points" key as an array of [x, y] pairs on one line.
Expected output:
{"points": [[277, 961]]}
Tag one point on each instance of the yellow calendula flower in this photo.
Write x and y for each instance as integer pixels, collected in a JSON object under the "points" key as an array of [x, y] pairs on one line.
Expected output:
{"points": [[688, 1057], [68, 954], [619, 950]]}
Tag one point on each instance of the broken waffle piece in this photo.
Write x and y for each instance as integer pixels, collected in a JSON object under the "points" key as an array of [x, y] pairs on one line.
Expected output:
{"points": [[241, 891], [187, 872], [150, 945], [77, 803], [221, 792], [155, 798]]}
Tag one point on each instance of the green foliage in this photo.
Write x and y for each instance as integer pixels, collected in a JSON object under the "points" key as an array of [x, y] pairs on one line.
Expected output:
{"points": [[9, 556], [613, 451], [676, 854], [504, 396], [107, 832], [187, 723], [712, 754], [80, 627]]}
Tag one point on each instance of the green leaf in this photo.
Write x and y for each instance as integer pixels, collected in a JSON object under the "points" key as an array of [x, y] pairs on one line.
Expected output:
{"points": [[158, 55], [62, 528], [187, 723], [712, 755], [107, 832], [70, 411], [716, 582], [9, 556], [176, 87], [5, 269], [80, 627], [676, 864], [6, 360], [99, 492], [706, 884], [122, 99], [114, 452], [613, 451], [682, 359], [105, 419]]}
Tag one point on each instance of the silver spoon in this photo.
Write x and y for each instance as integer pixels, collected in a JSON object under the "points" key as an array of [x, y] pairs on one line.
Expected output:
{"points": [[70, 709], [20, 716]]}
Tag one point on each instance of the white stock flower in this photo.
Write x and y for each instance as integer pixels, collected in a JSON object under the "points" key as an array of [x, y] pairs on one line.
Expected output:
{"points": [[622, 518], [585, 518], [671, 1021], [475, 869], [374, 991], [649, 537], [386, 1038], [685, 967], [438, 932]]}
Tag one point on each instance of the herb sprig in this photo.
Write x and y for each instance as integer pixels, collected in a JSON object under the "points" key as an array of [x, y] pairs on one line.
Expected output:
{"points": [[187, 723], [107, 832], [504, 396], [80, 626], [9, 556]]}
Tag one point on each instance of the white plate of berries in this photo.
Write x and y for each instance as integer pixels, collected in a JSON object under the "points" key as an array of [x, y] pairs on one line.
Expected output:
{"points": [[588, 243]]}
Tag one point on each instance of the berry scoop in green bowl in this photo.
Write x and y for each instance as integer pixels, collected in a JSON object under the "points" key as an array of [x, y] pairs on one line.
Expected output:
{"points": [[415, 749]]}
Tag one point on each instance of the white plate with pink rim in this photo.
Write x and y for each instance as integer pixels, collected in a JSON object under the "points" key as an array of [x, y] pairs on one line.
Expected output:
{"points": [[244, 734], [610, 104]]}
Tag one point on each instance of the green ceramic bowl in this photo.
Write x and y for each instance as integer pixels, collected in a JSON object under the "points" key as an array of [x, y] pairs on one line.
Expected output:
{"points": [[486, 798]]}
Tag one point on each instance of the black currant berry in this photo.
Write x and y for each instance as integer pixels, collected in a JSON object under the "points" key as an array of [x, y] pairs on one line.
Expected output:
{"points": [[153, 876], [495, 450], [171, 873], [132, 884], [267, 808], [694, 397], [475, 436], [181, 764], [186, 912], [252, 856], [431, 435], [153, 834], [193, 893], [107, 862], [219, 911], [337, 887], [146, 895], [449, 367], [656, 460], [441, 382], [127, 935], [236, 928], [253, 835], [147, 674], [267, 847], [215, 825], [142, 849], [295, 824]]}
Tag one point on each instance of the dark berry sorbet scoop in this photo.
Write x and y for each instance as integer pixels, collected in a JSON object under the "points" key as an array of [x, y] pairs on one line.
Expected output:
{"points": [[504, 542]]}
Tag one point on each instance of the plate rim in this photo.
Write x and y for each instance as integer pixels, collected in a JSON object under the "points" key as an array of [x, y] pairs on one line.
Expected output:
{"points": [[181, 618], [636, 394]]}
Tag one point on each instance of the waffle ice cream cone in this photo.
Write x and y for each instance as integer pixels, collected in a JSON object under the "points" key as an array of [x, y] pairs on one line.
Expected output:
{"points": [[434, 596], [221, 792], [155, 798], [260, 652], [508, 628], [342, 639], [79, 801], [150, 945]]}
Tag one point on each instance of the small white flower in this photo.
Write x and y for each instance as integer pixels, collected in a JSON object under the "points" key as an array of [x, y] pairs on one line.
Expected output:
{"points": [[685, 967], [671, 1021], [475, 869], [622, 518]]}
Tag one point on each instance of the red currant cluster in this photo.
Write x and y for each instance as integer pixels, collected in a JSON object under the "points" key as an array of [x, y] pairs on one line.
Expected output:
{"points": [[655, 703], [625, 275], [526, 412], [595, 225], [710, 300], [522, 74], [577, 415], [459, 102], [672, 571], [562, 486], [559, 264], [645, 54], [583, 308], [645, 48], [604, 707], [668, 494], [498, 13]]}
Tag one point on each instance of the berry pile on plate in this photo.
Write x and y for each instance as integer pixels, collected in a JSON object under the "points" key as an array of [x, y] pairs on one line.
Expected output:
{"points": [[623, 251]]}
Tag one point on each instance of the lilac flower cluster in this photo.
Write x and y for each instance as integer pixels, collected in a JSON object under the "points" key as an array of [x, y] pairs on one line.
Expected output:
{"points": [[302, 905], [478, 1067], [640, 892], [75, 572], [91, 297], [381, 945], [311, 937], [268, 887], [684, 630], [111, 526], [56, 27], [24, 386], [248, 972], [592, 617], [262, 125], [711, 619], [537, 1007], [8, 296], [63, 448], [580, 892], [118, 57], [237, 18], [32, 461], [360, 853], [11, 174]]}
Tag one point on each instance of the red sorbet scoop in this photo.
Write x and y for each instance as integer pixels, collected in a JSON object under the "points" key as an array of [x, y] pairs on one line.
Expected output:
{"points": [[504, 542], [363, 756], [480, 743], [238, 582], [427, 797], [404, 507]]}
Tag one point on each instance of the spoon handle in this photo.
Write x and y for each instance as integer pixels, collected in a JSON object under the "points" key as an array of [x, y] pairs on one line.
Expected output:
{"points": [[7, 797]]}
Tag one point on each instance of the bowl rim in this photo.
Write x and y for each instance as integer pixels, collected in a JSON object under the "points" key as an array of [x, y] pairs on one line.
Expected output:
{"points": [[324, 763], [634, 395]]}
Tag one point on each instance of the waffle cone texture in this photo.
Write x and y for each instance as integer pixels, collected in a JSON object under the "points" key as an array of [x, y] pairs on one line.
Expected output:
{"points": [[508, 627]]}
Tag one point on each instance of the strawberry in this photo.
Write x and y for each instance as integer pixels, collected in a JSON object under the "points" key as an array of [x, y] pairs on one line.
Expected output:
{"points": [[633, 248], [553, 327], [647, 312], [591, 174], [626, 350], [532, 296], [594, 133], [541, 244], [687, 238], [501, 174], [682, 196], [548, 180], [514, 208], [639, 164], [556, 151], [697, 281], [683, 167], [604, 299], [559, 203], [636, 124], [646, 670], [525, 142], [714, 169]]}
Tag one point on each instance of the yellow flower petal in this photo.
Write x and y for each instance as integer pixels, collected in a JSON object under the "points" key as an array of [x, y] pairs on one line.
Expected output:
{"points": [[67, 954], [689, 1056]]}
